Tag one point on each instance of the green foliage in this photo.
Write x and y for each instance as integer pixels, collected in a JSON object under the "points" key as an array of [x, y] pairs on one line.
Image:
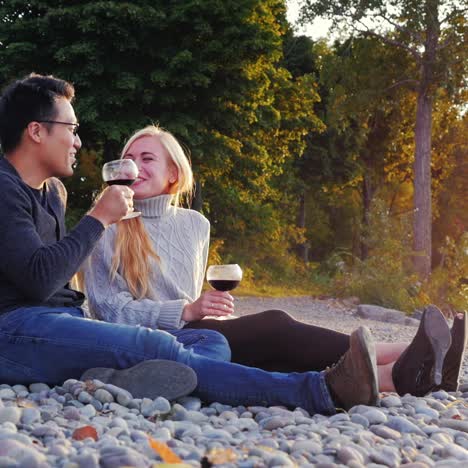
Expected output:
{"points": [[83, 186], [208, 71], [245, 95], [382, 278], [448, 284]]}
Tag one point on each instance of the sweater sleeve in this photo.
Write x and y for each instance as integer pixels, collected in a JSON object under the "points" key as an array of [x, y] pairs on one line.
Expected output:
{"points": [[110, 300], [37, 269], [205, 247]]}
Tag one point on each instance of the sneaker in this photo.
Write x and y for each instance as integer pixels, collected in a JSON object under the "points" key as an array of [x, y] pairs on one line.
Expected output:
{"points": [[454, 358], [353, 379], [149, 379], [419, 368]]}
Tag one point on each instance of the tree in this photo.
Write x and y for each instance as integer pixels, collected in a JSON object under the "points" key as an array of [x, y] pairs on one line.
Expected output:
{"points": [[433, 34], [362, 112], [209, 71]]}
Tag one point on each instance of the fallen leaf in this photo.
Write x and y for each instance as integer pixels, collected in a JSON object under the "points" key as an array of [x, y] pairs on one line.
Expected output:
{"points": [[85, 432], [164, 451], [90, 387], [24, 403], [219, 456], [171, 465]]}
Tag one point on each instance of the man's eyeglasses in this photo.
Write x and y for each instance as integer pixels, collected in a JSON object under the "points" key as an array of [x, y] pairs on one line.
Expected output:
{"points": [[75, 125]]}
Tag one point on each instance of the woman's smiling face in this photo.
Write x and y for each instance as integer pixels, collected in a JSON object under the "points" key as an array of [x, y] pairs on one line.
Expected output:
{"points": [[157, 172]]}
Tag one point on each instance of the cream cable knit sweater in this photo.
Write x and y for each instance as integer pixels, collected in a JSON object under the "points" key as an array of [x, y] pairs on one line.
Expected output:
{"points": [[181, 239]]}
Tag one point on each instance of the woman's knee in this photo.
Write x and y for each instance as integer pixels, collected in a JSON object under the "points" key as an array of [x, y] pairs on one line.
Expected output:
{"points": [[277, 316]]}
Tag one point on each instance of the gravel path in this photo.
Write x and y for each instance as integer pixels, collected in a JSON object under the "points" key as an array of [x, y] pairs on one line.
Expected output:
{"points": [[91, 425]]}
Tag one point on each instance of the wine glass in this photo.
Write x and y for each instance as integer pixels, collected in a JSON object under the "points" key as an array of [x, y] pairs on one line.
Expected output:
{"points": [[224, 277], [121, 172]]}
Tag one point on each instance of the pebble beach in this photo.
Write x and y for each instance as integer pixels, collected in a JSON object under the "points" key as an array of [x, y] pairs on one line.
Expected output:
{"points": [[91, 424]]}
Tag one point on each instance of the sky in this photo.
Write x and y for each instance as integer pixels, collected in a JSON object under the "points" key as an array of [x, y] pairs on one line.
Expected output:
{"points": [[316, 30]]}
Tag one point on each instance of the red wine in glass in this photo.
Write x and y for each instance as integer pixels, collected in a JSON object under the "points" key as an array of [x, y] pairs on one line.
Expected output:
{"points": [[121, 182], [224, 277], [121, 172]]}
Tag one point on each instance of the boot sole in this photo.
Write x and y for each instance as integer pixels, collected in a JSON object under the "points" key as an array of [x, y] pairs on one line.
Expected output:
{"points": [[439, 336], [149, 379], [366, 343]]}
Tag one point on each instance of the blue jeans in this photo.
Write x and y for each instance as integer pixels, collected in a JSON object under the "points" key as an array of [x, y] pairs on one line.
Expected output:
{"points": [[208, 343], [51, 345]]}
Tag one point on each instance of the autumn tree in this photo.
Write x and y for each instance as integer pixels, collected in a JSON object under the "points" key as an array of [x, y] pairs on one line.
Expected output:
{"points": [[432, 33]]}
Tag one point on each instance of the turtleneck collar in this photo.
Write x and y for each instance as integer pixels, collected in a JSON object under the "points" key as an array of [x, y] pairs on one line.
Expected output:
{"points": [[154, 207]]}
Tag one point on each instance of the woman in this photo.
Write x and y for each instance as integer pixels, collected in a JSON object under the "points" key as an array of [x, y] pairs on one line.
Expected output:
{"points": [[150, 271]]}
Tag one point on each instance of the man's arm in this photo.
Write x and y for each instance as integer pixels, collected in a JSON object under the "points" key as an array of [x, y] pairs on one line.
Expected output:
{"points": [[36, 269]]}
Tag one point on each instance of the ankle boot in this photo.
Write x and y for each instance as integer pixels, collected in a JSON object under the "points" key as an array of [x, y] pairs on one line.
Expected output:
{"points": [[419, 368], [353, 379], [454, 359]]}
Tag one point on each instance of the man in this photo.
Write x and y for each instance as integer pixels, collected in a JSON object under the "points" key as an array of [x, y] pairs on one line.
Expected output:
{"points": [[43, 333]]}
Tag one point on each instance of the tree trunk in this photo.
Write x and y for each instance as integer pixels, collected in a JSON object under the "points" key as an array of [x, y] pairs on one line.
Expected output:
{"points": [[422, 187], [422, 227]]}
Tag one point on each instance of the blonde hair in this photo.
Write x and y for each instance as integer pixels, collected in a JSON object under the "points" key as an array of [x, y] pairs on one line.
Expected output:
{"points": [[133, 248]]}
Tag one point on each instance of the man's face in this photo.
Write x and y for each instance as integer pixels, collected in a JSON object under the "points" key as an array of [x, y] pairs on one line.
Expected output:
{"points": [[60, 143]]}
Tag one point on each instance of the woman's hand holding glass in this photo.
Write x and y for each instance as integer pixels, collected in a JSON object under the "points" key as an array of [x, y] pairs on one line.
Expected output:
{"points": [[217, 303], [210, 303]]}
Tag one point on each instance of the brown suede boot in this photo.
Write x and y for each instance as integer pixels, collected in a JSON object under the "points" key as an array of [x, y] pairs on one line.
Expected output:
{"points": [[418, 370], [454, 359], [353, 379]]}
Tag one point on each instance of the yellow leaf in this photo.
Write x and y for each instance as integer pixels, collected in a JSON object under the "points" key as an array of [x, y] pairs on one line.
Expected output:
{"points": [[171, 465], [220, 456], [163, 451]]}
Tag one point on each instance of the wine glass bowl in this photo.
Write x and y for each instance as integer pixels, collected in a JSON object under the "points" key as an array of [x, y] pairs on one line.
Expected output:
{"points": [[121, 172], [224, 277]]}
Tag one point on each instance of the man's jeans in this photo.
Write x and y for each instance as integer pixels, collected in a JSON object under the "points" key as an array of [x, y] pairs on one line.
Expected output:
{"points": [[51, 345], [208, 343]]}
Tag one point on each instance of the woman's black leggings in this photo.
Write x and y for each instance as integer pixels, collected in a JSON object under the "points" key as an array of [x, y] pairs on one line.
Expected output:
{"points": [[275, 341]]}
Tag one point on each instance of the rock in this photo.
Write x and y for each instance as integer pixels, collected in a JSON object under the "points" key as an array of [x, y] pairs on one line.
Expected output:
{"points": [[113, 456], [30, 415], [275, 422], [39, 387], [190, 403], [360, 419], [10, 414], [391, 401], [401, 424], [348, 454], [382, 314], [452, 424], [385, 432], [103, 396], [375, 416], [7, 394]]}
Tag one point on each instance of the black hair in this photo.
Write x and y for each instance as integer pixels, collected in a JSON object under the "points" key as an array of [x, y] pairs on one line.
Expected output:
{"points": [[29, 99]]}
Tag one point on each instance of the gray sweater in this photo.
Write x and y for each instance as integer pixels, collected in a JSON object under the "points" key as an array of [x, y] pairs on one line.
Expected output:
{"points": [[181, 239]]}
